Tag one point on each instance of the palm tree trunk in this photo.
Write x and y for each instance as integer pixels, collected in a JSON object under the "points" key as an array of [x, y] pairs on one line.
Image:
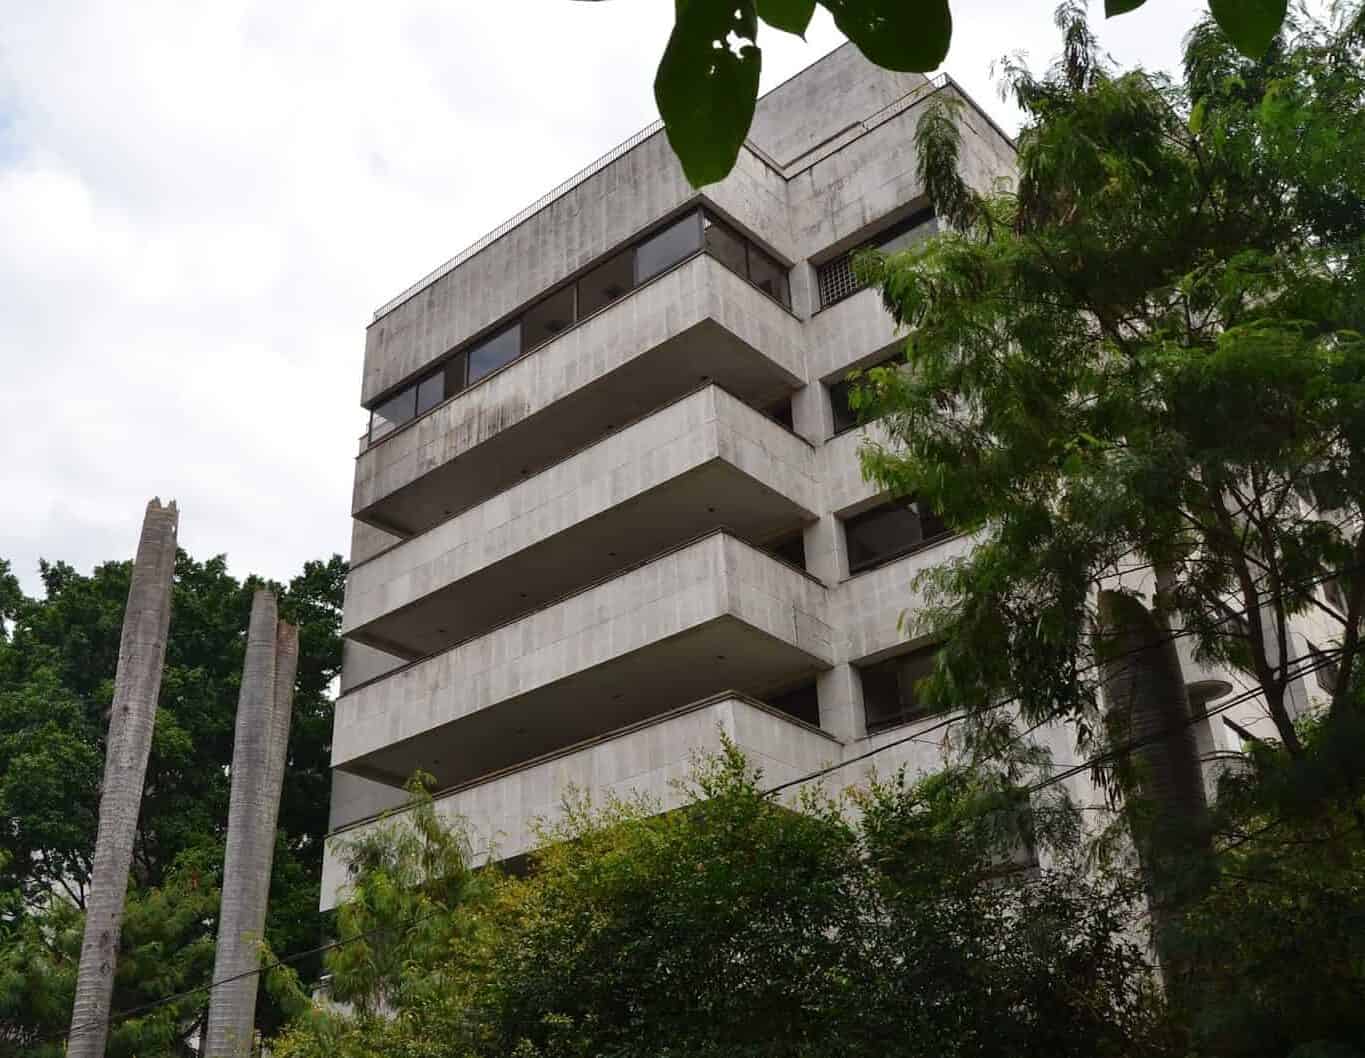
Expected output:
{"points": [[137, 683], [1149, 721], [232, 1003]]}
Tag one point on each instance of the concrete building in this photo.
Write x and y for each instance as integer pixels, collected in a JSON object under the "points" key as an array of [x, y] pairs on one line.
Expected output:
{"points": [[609, 503]]}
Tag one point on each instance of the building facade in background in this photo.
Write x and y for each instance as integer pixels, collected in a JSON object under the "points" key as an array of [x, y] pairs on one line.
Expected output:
{"points": [[609, 503]]}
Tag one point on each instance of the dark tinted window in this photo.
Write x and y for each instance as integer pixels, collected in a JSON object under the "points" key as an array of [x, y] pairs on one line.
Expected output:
{"points": [[769, 276], [908, 232], [679, 240], [791, 548], [495, 352], [430, 392], [845, 418], [548, 317], [800, 702], [727, 247], [605, 283], [889, 688], [395, 411], [888, 531], [456, 373]]}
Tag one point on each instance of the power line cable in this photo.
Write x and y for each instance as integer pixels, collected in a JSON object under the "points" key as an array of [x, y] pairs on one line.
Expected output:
{"points": [[1323, 659]]}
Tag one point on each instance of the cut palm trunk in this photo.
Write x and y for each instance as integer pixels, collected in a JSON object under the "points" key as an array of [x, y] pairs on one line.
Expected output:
{"points": [[132, 716], [259, 757]]}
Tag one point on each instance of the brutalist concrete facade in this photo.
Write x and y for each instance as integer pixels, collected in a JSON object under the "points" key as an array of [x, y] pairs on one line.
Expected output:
{"points": [[587, 564]]}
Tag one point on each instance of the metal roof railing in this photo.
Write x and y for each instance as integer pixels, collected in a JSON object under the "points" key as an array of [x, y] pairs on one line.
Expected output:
{"points": [[535, 207]]}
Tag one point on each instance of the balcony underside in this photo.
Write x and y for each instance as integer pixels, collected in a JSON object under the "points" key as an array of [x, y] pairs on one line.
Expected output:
{"points": [[711, 615], [714, 494]]}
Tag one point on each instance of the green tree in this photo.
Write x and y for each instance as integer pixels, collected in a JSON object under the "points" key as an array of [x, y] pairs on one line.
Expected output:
{"points": [[1145, 360], [707, 82], [1147, 355], [56, 670], [737, 926]]}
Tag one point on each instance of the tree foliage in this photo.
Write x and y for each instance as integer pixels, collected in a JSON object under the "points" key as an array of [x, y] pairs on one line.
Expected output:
{"points": [[1146, 355], [707, 82], [737, 926], [57, 660]]}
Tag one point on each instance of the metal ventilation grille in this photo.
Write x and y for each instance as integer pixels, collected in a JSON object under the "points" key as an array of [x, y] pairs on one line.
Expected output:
{"points": [[836, 280]]}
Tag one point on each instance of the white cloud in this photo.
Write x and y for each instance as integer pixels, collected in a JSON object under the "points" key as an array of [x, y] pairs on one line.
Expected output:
{"points": [[201, 204]]}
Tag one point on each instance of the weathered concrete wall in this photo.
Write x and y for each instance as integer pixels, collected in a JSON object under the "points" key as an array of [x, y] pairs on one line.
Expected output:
{"points": [[823, 100], [595, 218], [709, 425], [700, 290], [647, 760], [682, 590]]}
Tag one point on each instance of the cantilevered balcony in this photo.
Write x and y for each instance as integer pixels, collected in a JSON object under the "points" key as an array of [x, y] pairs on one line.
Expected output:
{"points": [[643, 759], [703, 461], [713, 614], [698, 322]]}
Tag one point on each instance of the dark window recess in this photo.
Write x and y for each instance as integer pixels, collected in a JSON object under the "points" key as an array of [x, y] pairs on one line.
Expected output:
{"points": [[800, 702], [430, 392], [742, 257], [845, 418], [890, 530], [495, 352], [393, 412], [661, 252], [790, 548], [1326, 669], [605, 283], [835, 279], [578, 299], [548, 317], [726, 246], [889, 689], [780, 412], [1334, 594]]}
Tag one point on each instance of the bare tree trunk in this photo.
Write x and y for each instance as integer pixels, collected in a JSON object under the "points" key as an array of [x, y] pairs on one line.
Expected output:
{"points": [[231, 1004], [1160, 772], [137, 683], [260, 755]]}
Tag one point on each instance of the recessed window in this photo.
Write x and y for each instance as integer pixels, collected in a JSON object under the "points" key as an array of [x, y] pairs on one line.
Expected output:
{"points": [[430, 392], [576, 300], [662, 251], [395, 411], [790, 548], [890, 688], [889, 531], [845, 418], [769, 276], [548, 317], [1334, 594], [781, 412], [604, 284], [835, 279], [495, 352], [801, 702], [741, 256], [726, 246], [1326, 669]]}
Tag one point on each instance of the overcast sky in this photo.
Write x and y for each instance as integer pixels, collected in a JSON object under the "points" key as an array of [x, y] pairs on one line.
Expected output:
{"points": [[201, 204]]}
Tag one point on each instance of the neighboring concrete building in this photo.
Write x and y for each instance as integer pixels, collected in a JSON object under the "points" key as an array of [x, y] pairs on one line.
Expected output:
{"points": [[609, 503]]}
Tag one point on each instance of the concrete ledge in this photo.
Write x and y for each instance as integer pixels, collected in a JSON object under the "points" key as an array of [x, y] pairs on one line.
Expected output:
{"points": [[704, 460], [696, 322], [713, 614], [644, 759]]}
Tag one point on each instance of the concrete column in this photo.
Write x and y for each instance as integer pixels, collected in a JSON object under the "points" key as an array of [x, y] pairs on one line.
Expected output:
{"points": [[841, 702], [246, 865], [137, 683]]}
